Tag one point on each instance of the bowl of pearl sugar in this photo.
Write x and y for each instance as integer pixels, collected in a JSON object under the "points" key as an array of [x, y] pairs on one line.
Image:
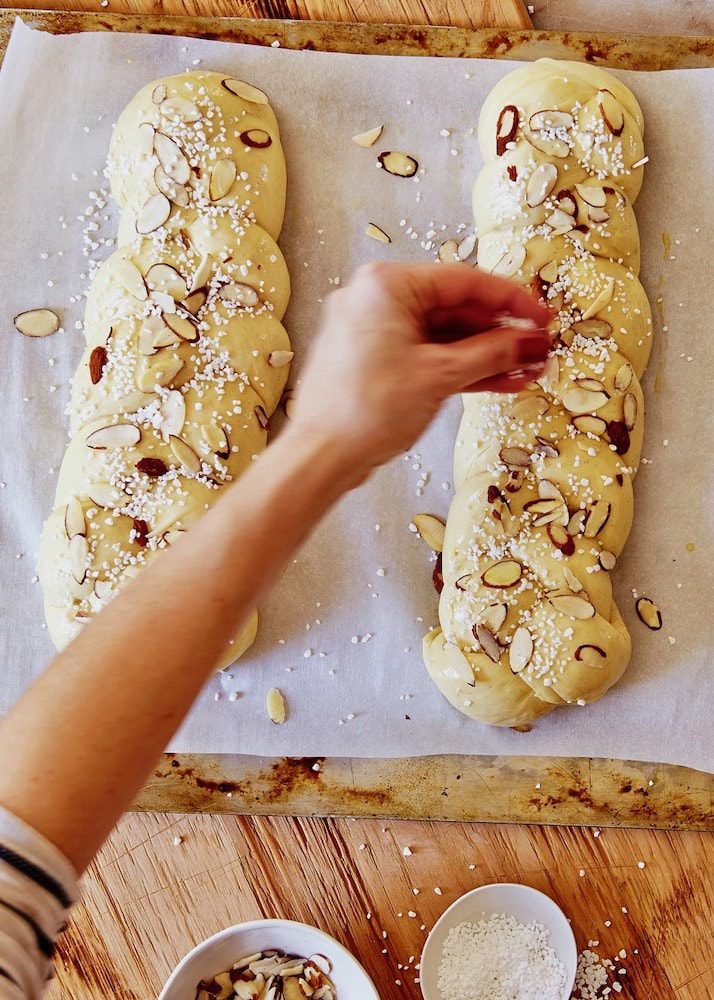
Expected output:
{"points": [[500, 942]]}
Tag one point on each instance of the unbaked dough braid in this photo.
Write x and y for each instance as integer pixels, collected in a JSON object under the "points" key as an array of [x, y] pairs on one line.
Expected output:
{"points": [[186, 355], [544, 478]]}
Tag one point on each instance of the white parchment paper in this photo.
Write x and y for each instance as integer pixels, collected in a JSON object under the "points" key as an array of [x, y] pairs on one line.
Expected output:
{"points": [[363, 573]]}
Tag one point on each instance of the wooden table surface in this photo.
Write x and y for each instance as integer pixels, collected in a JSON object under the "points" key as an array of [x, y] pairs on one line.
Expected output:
{"points": [[147, 900]]}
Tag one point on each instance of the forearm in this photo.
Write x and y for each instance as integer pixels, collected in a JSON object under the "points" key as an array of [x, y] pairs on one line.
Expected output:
{"points": [[109, 703]]}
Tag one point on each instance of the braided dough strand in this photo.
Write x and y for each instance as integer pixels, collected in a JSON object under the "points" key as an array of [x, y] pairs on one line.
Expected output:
{"points": [[544, 496], [186, 357]]}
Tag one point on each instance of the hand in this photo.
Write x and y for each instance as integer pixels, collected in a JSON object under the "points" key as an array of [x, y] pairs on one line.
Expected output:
{"points": [[400, 339]]}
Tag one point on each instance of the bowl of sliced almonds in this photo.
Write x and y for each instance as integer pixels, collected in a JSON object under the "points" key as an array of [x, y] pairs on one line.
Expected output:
{"points": [[269, 960]]}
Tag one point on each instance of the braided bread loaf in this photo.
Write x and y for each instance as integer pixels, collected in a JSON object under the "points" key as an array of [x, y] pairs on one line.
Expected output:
{"points": [[544, 477], [186, 356]]}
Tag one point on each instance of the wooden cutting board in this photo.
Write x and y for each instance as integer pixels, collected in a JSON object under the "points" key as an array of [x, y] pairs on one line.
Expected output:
{"points": [[461, 13]]}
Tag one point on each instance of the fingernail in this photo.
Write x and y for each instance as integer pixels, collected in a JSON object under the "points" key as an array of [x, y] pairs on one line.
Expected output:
{"points": [[533, 349]]}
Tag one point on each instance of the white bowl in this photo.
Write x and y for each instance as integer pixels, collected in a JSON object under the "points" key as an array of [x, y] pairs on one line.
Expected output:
{"points": [[218, 953], [519, 901]]}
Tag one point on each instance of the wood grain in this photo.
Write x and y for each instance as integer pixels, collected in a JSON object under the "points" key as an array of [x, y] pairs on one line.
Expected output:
{"points": [[147, 902], [462, 13]]}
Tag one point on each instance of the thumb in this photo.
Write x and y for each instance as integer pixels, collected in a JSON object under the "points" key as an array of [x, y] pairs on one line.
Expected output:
{"points": [[463, 363]]}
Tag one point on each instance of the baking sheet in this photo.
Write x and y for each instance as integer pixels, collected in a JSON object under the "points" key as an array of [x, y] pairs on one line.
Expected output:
{"points": [[58, 99]]}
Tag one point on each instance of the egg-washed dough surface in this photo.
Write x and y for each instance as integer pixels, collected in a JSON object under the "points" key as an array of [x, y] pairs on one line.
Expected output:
{"points": [[544, 499], [186, 357]]}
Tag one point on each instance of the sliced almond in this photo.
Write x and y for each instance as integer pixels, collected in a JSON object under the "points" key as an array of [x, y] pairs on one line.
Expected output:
{"points": [[581, 401], [573, 606], [431, 530], [37, 322], [173, 535], [466, 247], [598, 215], [368, 138], [153, 214], [488, 642], [173, 414], [375, 233], [130, 278], [182, 327], [549, 119], [276, 707], [114, 436], [164, 338], [547, 448], [528, 408], [560, 221], [550, 146], [78, 557], [202, 273], [256, 138], [398, 164], [244, 90], [597, 518], [223, 176], [161, 373], [262, 417], [623, 378], [549, 491], [195, 301], [103, 494], [103, 589], [592, 328], [572, 581], [591, 384], [507, 125], [515, 458], [590, 425], [601, 300], [576, 524], [181, 109], [549, 272], [629, 410], [176, 193], [520, 650], [592, 655], [503, 574], [546, 512], [611, 111], [540, 184], [280, 359], [560, 538], [145, 144], [510, 263], [171, 158], [649, 613], [551, 371], [97, 360], [163, 300], [619, 436], [184, 454], [607, 560], [74, 522], [165, 278], [215, 438], [494, 616], [158, 94], [239, 293], [448, 252], [591, 195], [566, 202]]}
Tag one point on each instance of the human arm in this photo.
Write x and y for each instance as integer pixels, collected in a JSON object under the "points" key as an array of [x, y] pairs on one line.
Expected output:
{"points": [[83, 737]]}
